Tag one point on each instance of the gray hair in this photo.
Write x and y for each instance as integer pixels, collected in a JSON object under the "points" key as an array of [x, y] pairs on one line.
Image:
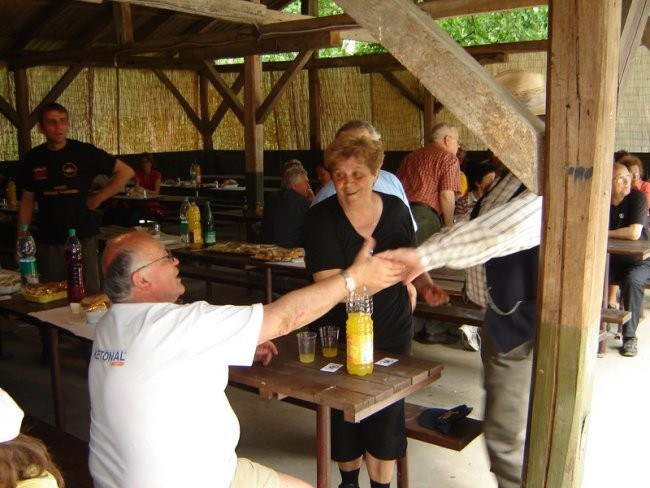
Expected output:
{"points": [[359, 124], [292, 175], [441, 130], [117, 277]]}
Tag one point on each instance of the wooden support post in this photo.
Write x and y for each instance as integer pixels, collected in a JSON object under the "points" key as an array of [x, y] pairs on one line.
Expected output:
{"points": [[310, 7], [22, 107], [577, 185], [253, 132], [206, 134]]}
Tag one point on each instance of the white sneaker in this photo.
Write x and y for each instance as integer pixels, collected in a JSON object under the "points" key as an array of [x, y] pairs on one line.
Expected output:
{"points": [[469, 337]]}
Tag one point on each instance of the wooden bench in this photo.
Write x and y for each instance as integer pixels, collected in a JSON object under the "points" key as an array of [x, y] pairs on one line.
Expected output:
{"points": [[462, 433], [69, 453], [453, 313]]}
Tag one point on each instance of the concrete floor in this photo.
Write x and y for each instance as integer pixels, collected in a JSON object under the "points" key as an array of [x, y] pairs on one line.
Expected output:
{"points": [[283, 436]]}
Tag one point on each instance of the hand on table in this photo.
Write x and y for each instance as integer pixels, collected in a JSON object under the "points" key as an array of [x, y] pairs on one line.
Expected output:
{"points": [[265, 352]]}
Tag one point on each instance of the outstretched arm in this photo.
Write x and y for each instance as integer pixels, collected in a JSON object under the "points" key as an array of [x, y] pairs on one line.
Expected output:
{"points": [[506, 229], [303, 306]]}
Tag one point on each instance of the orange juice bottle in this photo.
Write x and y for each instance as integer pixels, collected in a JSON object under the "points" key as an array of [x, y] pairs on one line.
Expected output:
{"points": [[195, 236], [359, 334]]}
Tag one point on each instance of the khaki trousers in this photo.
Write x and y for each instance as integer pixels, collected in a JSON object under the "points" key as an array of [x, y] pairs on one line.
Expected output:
{"points": [[507, 380]]}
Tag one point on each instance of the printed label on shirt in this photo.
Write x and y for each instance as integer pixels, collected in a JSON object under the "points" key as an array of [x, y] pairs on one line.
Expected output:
{"points": [[69, 170], [40, 173], [113, 358]]}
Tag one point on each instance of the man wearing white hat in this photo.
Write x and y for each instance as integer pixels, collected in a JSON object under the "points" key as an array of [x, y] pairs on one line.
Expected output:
{"points": [[499, 246]]}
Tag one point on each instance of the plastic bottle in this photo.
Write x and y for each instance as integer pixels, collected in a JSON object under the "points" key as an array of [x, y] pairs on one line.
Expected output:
{"points": [[75, 268], [26, 249], [209, 234], [359, 334], [197, 173], [185, 206], [195, 237]]}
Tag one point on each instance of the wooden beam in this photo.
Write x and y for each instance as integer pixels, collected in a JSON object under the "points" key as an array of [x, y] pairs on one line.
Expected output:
{"points": [[224, 90], [46, 13], [281, 85], [266, 45], [239, 11], [123, 23], [196, 120], [9, 112], [402, 89], [310, 7], [153, 25], [491, 112], [633, 27], [56, 91], [224, 105], [582, 81], [439, 9]]}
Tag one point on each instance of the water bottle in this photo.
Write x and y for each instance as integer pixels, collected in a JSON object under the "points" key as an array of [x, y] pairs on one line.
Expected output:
{"points": [[195, 236], [26, 249], [75, 268], [185, 206], [209, 234], [359, 333]]}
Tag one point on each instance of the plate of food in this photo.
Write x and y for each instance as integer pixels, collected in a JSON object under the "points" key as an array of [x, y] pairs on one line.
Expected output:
{"points": [[229, 184], [9, 282], [46, 292]]}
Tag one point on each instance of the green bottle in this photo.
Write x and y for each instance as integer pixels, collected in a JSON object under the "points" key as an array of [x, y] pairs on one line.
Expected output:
{"points": [[209, 233]]}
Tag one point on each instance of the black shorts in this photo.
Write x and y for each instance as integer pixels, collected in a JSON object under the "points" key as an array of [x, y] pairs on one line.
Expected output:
{"points": [[383, 435]]}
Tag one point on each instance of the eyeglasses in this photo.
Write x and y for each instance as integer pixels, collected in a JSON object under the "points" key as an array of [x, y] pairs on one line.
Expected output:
{"points": [[623, 178], [168, 255]]}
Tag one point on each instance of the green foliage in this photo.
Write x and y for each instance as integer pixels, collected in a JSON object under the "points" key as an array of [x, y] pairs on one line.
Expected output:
{"points": [[529, 24]]}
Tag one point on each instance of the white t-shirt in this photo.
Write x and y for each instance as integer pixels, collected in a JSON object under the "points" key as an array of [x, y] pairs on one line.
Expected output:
{"points": [[159, 414]]}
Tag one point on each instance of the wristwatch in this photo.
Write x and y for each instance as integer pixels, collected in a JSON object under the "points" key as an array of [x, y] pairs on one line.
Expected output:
{"points": [[350, 284]]}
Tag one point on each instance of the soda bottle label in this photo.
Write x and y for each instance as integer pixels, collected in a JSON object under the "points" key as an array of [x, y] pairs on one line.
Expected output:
{"points": [[210, 237], [28, 270]]}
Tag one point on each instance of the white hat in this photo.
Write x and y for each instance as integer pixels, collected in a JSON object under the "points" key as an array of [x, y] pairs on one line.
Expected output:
{"points": [[527, 86], [11, 416]]}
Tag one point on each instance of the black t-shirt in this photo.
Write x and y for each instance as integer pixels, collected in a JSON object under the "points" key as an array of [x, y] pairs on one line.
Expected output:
{"points": [[284, 216], [633, 209], [331, 243], [60, 181]]}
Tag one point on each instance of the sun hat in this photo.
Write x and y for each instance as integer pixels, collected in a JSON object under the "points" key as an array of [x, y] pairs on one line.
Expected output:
{"points": [[528, 87], [11, 416]]}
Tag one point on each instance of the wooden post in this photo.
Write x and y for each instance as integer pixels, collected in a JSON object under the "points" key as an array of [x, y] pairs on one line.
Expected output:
{"points": [[22, 107], [310, 7], [253, 132], [206, 133], [582, 84]]}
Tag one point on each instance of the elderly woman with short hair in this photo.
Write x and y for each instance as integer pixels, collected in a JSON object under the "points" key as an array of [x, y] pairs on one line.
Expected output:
{"points": [[335, 230]]}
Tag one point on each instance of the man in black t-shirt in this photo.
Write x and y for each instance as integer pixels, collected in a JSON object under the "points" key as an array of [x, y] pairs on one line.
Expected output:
{"points": [[58, 175], [627, 220]]}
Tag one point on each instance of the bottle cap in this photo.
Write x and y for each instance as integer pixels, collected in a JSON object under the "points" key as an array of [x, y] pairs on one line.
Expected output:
{"points": [[24, 227], [72, 232]]}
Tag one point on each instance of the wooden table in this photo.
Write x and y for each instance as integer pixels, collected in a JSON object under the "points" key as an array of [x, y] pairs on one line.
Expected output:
{"points": [[213, 258], [356, 396], [24, 310], [639, 249]]}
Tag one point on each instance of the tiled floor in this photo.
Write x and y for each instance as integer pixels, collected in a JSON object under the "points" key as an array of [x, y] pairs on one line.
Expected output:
{"points": [[283, 436]]}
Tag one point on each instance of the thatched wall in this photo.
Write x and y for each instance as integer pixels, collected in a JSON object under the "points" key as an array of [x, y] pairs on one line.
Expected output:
{"points": [[152, 120]]}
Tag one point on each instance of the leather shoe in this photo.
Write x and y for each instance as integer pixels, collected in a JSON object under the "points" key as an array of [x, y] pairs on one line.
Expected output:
{"points": [[424, 337]]}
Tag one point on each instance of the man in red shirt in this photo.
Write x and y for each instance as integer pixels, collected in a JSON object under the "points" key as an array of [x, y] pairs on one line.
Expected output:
{"points": [[431, 179]]}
